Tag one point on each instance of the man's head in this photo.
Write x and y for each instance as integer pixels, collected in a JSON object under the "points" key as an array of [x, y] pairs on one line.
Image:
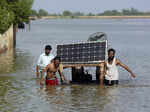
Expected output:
{"points": [[57, 61], [111, 54], [48, 49]]}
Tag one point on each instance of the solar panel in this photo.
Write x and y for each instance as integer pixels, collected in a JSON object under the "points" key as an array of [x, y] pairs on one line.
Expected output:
{"points": [[90, 52]]}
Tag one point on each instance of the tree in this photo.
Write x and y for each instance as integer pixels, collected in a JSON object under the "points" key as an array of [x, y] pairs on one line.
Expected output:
{"points": [[67, 13], [134, 11], [34, 13], [126, 12], [107, 12], [42, 12], [14, 12], [78, 14], [6, 19], [6, 16], [90, 14], [115, 12], [22, 10]]}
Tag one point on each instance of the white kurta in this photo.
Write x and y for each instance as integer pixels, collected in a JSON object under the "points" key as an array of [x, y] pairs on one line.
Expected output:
{"points": [[112, 71]]}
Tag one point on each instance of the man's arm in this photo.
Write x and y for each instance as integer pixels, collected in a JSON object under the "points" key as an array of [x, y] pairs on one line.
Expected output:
{"points": [[38, 67], [42, 75], [60, 70], [125, 67], [63, 78], [37, 71]]}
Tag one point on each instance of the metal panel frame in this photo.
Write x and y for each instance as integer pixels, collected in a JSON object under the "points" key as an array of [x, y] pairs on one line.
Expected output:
{"points": [[88, 62]]}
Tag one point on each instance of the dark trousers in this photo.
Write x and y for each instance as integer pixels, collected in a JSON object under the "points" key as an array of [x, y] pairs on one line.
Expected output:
{"points": [[111, 82]]}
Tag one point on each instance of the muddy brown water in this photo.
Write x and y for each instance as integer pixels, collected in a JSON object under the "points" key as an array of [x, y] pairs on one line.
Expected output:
{"points": [[20, 90]]}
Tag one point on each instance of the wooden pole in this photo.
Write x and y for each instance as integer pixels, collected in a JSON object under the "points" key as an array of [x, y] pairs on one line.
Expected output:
{"points": [[98, 74], [102, 65]]}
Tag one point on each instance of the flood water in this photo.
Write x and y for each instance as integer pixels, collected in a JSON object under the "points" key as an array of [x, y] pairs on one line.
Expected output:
{"points": [[20, 90]]}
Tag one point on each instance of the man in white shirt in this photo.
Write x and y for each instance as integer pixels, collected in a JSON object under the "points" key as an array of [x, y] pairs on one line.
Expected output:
{"points": [[111, 75], [44, 60]]}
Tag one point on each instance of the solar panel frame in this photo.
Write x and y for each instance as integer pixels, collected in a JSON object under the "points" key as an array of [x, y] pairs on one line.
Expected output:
{"points": [[82, 53]]}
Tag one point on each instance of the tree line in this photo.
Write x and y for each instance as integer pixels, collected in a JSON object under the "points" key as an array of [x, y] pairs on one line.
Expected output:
{"points": [[123, 12], [14, 12]]}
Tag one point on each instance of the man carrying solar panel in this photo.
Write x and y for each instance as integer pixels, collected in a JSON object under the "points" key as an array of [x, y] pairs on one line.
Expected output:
{"points": [[111, 74], [51, 69]]}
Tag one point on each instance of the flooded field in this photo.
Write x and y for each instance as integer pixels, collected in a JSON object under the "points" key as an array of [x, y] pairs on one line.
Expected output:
{"points": [[20, 90]]}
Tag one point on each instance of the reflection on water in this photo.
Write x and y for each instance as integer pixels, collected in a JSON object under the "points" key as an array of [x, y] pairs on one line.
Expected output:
{"points": [[14, 60], [81, 98], [7, 61], [20, 90]]}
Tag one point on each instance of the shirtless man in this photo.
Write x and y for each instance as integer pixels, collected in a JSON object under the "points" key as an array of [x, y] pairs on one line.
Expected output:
{"points": [[111, 75], [51, 70]]}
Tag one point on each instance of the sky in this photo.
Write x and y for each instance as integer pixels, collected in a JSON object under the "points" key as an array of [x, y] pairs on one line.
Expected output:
{"points": [[87, 6]]}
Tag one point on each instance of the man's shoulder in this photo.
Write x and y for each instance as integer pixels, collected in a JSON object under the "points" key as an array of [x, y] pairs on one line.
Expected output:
{"points": [[118, 61], [43, 54], [51, 55], [50, 65]]}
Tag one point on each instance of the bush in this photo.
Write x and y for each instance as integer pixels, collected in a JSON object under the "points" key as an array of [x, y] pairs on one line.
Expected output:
{"points": [[6, 19], [14, 12]]}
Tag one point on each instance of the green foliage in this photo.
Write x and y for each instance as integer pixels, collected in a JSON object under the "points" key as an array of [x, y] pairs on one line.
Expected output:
{"points": [[34, 13], [131, 11], [14, 12], [3, 3], [42, 12], [67, 13], [78, 14], [124, 12], [90, 14], [6, 19], [22, 10], [111, 13]]}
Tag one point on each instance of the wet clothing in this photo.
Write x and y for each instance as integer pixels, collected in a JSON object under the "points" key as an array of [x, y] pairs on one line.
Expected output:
{"points": [[112, 71], [44, 60], [112, 74], [111, 82], [52, 81]]}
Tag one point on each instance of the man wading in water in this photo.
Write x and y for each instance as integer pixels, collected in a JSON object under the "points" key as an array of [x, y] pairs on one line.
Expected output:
{"points": [[51, 70], [111, 75], [44, 60]]}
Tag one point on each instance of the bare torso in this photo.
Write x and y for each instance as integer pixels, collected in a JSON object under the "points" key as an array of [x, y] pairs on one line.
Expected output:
{"points": [[51, 71]]}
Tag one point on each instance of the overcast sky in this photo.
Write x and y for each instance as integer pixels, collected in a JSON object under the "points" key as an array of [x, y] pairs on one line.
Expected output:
{"points": [[95, 6]]}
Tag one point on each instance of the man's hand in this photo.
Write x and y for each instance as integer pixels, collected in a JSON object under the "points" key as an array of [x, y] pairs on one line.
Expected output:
{"points": [[67, 81], [133, 75], [37, 71], [62, 78], [126, 67], [38, 74], [41, 82]]}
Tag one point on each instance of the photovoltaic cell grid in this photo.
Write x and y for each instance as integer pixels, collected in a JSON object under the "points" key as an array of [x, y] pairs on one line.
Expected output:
{"points": [[82, 52]]}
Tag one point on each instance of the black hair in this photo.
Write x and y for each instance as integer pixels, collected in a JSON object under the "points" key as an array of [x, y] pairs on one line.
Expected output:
{"points": [[48, 47], [57, 58], [113, 50]]}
